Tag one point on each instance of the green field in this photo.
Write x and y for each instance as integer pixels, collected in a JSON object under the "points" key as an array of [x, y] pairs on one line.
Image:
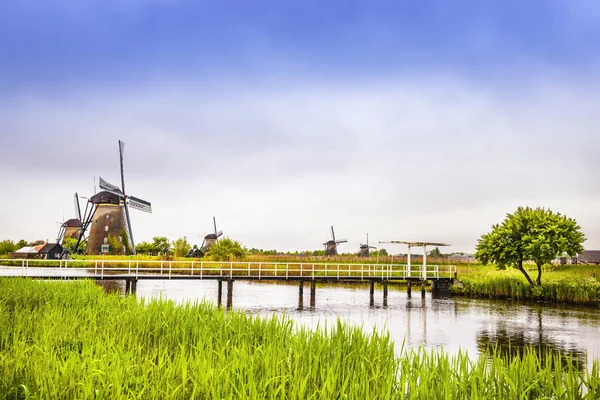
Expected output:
{"points": [[67, 340]]}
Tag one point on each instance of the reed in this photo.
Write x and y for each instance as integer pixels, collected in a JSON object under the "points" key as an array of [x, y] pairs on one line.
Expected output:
{"points": [[65, 340]]}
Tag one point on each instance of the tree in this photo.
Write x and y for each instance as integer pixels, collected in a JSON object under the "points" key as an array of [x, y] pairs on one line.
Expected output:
{"points": [[160, 244], [116, 247], [227, 249], [383, 252], [21, 243], [69, 243], [436, 253], [7, 246], [144, 248], [125, 241], [181, 247], [537, 235]]}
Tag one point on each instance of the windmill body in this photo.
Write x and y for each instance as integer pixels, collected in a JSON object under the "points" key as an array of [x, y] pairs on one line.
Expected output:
{"points": [[332, 244], [210, 239], [365, 249], [111, 214]]}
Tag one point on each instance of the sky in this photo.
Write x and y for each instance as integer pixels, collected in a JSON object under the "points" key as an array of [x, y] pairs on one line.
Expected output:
{"points": [[419, 121]]}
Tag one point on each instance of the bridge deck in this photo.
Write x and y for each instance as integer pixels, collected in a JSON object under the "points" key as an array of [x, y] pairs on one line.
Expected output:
{"points": [[130, 269]]}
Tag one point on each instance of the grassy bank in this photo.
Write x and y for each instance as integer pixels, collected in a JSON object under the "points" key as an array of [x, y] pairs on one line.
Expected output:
{"points": [[64, 340], [572, 284]]}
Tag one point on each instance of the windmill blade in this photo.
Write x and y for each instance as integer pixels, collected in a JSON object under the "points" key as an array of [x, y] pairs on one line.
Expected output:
{"points": [[341, 241], [332, 233], [219, 233], [121, 151], [77, 208], [130, 233], [109, 186], [215, 224], [139, 204]]}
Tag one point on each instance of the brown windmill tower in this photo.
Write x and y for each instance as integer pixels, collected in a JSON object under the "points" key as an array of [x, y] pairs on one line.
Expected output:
{"points": [[71, 228], [210, 239], [111, 214], [331, 245], [365, 249]]}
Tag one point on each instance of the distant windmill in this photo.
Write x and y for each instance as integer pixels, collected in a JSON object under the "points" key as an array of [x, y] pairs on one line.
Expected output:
{"points": [[210, 239], [109, 217], [331, 245], [364, 249], [71, 227]]}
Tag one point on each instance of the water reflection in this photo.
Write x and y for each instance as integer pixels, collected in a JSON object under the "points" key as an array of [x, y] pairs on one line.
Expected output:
{"points": [[448, 323], [512, 340], [112, 286]]}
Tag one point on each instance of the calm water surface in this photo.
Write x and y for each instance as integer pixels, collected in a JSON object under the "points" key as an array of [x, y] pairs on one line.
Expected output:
{"points": [[448, 323]]}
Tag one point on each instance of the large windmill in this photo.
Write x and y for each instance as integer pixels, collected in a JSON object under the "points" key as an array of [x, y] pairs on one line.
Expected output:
{"points": [[210, 239], [111, 215], [331, 245], [365, 249]]}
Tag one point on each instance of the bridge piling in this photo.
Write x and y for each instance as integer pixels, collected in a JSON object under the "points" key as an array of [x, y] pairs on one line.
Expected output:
{"points": [[409, 289], [372, 293], [300, 295], [229, 294], [313, 292], [127, 286], [385, 293], [423, 289], [219, 293]]}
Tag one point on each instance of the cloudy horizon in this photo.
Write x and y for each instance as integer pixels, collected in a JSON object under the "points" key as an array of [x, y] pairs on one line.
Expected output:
{"points": [[407, 122]]}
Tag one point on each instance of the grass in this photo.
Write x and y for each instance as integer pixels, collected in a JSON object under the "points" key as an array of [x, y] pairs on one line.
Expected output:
{"points": [[65, 340], [573, 284]]}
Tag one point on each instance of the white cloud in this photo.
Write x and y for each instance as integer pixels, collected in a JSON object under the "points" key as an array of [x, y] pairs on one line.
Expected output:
{"points": [[421, 158]]}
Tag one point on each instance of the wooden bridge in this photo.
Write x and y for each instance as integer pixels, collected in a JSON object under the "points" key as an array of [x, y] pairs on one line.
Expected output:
{"points": [[131, 271]]}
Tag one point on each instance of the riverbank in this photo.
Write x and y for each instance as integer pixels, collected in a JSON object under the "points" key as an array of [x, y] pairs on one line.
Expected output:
{"points": [[69, 340], [569, 284]]}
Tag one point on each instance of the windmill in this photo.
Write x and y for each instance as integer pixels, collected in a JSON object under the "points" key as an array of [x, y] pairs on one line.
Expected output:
{"points": [[331, 245], [76, 227], [364, 249], [210, 239], [111, 215]]}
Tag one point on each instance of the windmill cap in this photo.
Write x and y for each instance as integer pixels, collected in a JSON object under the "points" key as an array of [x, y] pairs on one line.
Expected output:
{"points": [[105, 197]]}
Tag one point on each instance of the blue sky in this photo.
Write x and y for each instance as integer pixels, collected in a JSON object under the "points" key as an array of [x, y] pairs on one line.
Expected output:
{"points": [[270, 114]]}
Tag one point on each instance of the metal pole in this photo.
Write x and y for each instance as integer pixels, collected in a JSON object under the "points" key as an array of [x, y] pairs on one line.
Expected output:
{"points": [[424, 261], [408, 261]]}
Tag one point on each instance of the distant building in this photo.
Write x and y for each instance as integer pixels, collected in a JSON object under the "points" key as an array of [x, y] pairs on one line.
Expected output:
{"points": [[589, 257], [45, 251]]}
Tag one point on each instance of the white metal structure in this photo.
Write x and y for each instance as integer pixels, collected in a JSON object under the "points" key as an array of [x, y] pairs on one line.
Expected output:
{"points": [[418, 244], [142, 269]]}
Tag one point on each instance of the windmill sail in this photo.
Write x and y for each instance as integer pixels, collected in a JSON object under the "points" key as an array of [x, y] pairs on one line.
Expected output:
{"points": [[108, 186], [77, 208], [139, 204], [121, 151]]}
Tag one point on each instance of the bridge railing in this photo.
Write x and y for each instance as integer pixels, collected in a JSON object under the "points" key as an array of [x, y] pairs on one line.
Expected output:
{"points": [[215, 269]]}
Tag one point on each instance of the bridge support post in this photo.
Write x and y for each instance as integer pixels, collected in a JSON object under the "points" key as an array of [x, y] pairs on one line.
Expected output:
{"points": [[409, 289], [301, 295], [385, 293], [229, 294], [127, 286], [219, 293], [372, 294], [313, 293], [434, 288], [423, 289]]}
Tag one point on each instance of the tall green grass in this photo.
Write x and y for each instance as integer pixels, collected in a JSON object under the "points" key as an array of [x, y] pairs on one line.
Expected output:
{"points": [[67, 340], [557, 287]]}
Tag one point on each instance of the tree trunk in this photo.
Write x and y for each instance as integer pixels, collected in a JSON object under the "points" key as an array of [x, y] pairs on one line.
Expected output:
{"points": [[525, 273], [539, 277]]}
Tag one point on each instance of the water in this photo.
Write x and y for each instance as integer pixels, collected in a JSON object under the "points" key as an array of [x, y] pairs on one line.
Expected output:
{"points": [[448, 323]]}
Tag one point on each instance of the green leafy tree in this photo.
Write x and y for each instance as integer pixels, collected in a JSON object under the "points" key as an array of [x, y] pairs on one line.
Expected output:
{"points": [[436, 253], [318, 253], [69, 244], [383, 252], [227, 249], [538, 235], [116, 247], [21, 243], [144, 248], [125, 241], [181, 247], [7, 246], [160, 244]]}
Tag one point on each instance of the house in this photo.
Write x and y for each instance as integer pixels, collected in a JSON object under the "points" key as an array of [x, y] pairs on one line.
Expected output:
{"points": [[50, 251], [589, 257], [27, 252]]}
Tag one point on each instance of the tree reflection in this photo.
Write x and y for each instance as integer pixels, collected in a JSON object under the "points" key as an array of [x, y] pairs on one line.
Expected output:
{"points": [[514, 341]]}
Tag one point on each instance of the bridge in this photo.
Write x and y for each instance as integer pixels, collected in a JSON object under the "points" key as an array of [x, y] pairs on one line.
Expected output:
{"points": [[131, 271]]}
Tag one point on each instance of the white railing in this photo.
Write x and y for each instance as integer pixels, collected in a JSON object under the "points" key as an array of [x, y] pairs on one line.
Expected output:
{"points": [[217, 269]]}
